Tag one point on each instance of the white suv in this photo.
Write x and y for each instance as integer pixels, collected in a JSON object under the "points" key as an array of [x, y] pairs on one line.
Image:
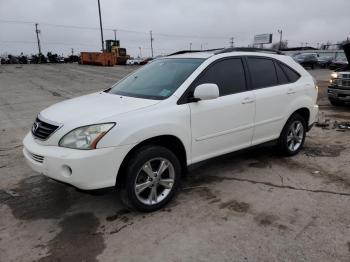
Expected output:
{"points": [[141, 134]]}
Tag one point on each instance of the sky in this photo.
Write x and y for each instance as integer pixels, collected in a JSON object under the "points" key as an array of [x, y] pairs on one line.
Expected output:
{"points": [[176, 24]]}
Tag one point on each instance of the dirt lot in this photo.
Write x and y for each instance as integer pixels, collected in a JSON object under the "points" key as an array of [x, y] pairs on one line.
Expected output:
{"points": [[250, 206]]}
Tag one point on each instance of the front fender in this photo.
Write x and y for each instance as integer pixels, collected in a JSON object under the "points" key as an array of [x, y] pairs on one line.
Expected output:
{"points": [[139, 126]]}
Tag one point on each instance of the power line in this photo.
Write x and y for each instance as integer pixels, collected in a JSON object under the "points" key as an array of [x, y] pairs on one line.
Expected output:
{"points": [[79, 44], [112, 29]]}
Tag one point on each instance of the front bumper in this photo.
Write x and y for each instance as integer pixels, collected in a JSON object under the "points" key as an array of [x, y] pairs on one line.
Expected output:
{"points": [[339, 94], [84, 169]]}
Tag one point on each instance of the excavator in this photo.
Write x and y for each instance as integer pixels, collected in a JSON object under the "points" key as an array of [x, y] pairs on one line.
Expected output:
{"points": [[112, 55]]}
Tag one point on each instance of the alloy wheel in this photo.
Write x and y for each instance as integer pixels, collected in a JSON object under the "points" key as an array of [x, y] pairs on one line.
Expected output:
{"points": [[295, 136], [154, 181]]}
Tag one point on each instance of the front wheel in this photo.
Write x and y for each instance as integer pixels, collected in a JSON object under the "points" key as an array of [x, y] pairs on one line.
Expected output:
{"points": [[293, 135], [152, 178]]}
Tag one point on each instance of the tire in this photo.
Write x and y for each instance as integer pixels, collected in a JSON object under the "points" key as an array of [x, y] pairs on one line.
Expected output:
{"points": [[289, 137], [336, 102], [143, 169]]}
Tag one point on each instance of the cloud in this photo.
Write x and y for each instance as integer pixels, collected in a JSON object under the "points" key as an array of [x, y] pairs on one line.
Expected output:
{"points": [[175, 23]]}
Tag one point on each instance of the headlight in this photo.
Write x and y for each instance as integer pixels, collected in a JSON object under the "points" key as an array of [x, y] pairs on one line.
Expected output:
{"points": [[85, 137], [334, 75]]}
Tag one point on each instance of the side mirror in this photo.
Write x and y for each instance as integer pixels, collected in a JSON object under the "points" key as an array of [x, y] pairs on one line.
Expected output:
{"points": [[206, 92]]}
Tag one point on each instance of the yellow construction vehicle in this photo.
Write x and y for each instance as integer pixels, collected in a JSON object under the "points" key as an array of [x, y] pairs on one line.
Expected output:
{"points": [[113, 55]]}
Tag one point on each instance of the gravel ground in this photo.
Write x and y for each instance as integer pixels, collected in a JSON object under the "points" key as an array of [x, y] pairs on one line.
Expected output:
{"points": [[247, 206]]}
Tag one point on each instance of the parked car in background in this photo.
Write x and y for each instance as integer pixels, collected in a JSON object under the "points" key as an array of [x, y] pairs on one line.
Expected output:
{"points": [[339, 88], [338, 63], [146, 61], [307, 60], [324, 61], [134, 61], [141, 135]]}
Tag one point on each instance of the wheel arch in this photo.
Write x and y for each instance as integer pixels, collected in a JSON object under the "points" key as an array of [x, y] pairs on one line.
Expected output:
{"points": [[304, 112], [170, 142]]}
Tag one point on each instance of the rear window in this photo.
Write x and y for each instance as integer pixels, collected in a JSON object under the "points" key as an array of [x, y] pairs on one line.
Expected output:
{"points": [[291, 74], [282, 77], [262, 71]]}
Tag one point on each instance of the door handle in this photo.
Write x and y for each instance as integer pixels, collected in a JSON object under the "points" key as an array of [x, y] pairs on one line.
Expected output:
{"points": [[248, 100], [291, 91]]}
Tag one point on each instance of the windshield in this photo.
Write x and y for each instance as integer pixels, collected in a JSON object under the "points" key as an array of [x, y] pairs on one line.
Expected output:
{"points": [[157, 80]]}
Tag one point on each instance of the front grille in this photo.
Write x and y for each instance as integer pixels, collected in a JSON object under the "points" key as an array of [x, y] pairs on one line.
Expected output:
{"points": [[35, 157], [42, 130], [344, 83], [347, 76]]}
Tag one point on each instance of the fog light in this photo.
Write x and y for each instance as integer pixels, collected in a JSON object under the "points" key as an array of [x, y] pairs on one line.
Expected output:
{"points": [[66, 171]]}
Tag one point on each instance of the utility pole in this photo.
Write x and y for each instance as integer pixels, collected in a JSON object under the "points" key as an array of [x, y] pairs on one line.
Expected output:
{"points": [[152, 39], [232, 42], [99, 12], [37, 31], [190, 46], [280, 32], [115, 34], [140, 52]]}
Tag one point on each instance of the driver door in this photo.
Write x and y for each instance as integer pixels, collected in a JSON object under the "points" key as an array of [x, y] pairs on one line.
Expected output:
{"points": [[224, 124]]}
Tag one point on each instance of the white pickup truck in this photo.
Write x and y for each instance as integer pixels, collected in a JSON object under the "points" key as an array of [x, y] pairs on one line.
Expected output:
{"points": [[339, 88]]}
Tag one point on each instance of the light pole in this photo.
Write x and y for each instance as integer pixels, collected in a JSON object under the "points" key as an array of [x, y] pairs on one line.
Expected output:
{"points": [[190, 46], [115, 34], [99, 12]]}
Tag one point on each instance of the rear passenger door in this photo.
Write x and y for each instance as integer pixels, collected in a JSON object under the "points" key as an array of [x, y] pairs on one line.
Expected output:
{"points": [[273, 92], [224, 124]]}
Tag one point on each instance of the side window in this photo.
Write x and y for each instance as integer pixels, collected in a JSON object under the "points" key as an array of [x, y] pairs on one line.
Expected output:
{"points": [[262, 71], [282, 78], [291, 74], [228, 74]]}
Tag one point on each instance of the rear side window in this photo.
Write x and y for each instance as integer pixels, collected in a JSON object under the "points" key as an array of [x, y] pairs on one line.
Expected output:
{"points": [[291, 74], [262, 71], [282, 78], [228, 74]]}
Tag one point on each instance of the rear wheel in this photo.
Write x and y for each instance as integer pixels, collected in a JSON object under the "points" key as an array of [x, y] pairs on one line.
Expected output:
{"points": [[152, 178], [293, 135]]}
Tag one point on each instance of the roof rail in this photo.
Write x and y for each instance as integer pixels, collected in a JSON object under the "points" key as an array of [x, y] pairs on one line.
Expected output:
{"points": [[193, 51], [248, 49]]}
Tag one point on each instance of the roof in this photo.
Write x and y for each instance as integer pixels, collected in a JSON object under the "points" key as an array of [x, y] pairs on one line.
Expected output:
{"points": [[203, 55], [208, 53]]}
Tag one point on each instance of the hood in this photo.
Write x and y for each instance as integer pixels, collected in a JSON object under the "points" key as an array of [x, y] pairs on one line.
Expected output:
{"points": [[93, 108]]}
